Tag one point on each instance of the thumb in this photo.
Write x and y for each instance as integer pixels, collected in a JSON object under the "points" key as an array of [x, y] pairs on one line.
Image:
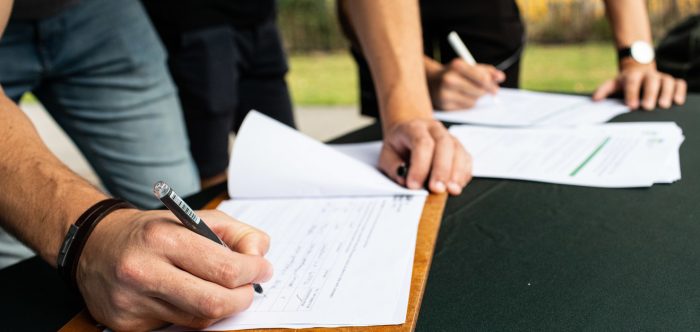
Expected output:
{"points": [[606, 89]]}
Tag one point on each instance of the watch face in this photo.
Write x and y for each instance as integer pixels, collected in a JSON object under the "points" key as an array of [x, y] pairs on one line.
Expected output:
{"points": [[642, 52]]}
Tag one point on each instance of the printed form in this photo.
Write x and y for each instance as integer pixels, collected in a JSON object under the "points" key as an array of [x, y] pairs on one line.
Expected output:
{"points": [[342, 235], [338, 261], [522, 108]]}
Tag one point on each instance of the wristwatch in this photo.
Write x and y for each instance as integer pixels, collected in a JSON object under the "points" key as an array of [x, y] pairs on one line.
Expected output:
{"points": [[640, 51]]}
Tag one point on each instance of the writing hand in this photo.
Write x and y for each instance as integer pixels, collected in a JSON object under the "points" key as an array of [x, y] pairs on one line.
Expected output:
{"points": [[142, 269], [459, 85]]}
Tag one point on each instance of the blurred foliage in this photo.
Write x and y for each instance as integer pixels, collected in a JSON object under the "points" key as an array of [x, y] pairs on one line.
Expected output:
{"points": [[566, 21], [309, 25]]}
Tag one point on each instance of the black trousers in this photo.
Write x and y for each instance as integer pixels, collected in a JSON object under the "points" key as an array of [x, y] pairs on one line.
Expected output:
{"points": [[223, 72]]}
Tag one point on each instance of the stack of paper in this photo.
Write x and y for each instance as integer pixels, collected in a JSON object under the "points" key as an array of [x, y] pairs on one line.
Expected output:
{"points": [[521, 108], [613, 155], [343, 235]]}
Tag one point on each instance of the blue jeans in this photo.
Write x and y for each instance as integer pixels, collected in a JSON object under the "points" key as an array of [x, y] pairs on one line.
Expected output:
{"points": [[100, 71]]}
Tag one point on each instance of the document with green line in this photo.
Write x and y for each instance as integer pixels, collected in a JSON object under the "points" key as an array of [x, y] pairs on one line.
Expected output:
{"points": [[612, 155]]}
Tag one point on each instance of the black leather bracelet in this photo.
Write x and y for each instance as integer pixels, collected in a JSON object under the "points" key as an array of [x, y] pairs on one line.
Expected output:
{"points": [[78, 233]]}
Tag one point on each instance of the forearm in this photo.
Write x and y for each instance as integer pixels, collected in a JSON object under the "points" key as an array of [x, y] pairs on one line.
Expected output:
{"points": [[40, 197], [629, 20], [389, 33], [5, 10]]}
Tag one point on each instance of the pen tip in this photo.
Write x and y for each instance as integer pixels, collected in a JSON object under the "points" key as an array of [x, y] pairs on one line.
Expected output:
{"points": [[258, 289]]}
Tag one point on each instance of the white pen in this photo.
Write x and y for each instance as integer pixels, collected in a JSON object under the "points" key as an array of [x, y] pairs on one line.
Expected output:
{"points": [[463, 52], [461, 49]]}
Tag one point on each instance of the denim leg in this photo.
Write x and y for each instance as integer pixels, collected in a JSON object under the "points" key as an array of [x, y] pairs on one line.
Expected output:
{"points": [[109, 89], [20, 64]]}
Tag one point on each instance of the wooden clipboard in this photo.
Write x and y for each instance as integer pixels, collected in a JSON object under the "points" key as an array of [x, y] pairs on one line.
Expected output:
{"points": [[425, 243]]}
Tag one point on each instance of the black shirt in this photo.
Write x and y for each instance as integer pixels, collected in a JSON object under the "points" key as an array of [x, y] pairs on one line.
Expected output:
{"points": [[194, 14], [38, 9], [492, 29]]}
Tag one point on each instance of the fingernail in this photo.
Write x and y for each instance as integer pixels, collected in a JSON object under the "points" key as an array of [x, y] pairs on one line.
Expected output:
{"points": [[455, 188], [413, 184], [439, 187]]}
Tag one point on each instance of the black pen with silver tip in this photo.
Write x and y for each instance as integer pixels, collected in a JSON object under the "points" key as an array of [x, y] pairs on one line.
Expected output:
{"points": [[187, 217]]}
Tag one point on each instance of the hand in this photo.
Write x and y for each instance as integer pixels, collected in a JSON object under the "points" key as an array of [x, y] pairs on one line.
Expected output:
{"points": [[634, 78], [432, 151], [140, 270], [459, 85]]}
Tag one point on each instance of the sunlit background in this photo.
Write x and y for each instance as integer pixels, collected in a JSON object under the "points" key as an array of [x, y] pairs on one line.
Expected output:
{"points": [[569, 46]]}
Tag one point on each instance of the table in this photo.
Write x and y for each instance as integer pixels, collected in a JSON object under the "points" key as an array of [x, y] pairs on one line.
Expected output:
{"points": [[517, 255]]}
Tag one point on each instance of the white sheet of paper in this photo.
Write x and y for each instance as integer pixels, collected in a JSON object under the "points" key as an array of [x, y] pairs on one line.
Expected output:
{"points": [[338, 261], [621, 154], [615, 155], [522, 108], [271, 160]]}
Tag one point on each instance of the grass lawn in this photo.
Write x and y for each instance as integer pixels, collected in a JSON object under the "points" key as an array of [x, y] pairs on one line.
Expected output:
{"points": [[331, 79]]}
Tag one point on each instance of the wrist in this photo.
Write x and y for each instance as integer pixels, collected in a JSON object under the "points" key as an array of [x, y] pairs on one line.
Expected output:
{"points": [[403, 106], [79, 233], [628, 63]]}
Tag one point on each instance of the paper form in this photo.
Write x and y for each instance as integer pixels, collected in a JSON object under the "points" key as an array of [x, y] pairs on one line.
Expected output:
{"points": [[521, 108], [271, 160], [342, 235], [338, 261], [613, 155]]}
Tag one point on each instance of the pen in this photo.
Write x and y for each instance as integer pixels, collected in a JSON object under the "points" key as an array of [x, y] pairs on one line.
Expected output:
{"points": [[187, 217], [462, 50], [402, 170]]}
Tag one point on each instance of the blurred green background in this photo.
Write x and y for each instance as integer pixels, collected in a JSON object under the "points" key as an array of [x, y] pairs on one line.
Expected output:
{"points": [[569, 48]]}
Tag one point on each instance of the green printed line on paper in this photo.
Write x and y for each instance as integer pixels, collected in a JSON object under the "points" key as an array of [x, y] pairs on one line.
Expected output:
{"points": [[600, 147]]}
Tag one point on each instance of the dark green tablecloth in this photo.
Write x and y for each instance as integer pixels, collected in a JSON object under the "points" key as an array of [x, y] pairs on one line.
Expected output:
{"points": [[516, 255]]}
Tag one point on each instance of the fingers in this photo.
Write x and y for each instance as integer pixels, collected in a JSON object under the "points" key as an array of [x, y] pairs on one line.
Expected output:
{"points": [[632, 86], [652, 85], [239, 236], [197, 297], [450, 100], [461, 170], [166, 312], [458, 83], [606, 90], [497, 75], [658, 88], [433, 152], [422, 149], [214, 262], [481, 75], [389, 163], [681, 92], [667, 90], [442, 160]]}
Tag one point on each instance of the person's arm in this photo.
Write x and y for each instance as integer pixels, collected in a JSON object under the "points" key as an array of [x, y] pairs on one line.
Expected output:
{"points": [[630, 23], [137, 269], [389, 35]]}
